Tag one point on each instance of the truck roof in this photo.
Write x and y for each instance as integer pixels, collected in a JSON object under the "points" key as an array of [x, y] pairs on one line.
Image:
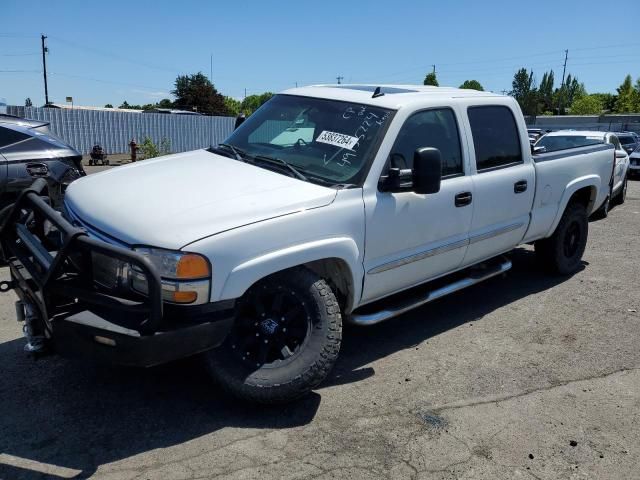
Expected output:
{"points": [[394, 96]]}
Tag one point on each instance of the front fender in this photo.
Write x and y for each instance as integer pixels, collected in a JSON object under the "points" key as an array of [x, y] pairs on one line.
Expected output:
{"points": [[259, 267], [594, 182]]}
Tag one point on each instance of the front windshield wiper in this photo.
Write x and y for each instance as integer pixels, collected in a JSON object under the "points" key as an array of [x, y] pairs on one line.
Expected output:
{"points": [[284, 163], [236, 152]]}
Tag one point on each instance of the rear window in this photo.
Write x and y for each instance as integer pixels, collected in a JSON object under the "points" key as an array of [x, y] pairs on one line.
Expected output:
{"points": [[9, 136], [553, 143]]}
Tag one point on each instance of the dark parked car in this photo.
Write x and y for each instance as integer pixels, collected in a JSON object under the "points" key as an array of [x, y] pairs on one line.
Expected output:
{"points": [[28, 150], [629, 141]]}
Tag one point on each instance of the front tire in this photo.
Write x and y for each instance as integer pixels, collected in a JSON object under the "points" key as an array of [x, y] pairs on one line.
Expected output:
{"points": [[562, 252], [285, 339]]}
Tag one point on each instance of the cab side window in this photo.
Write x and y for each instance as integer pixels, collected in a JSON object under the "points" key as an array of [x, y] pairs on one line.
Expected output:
{"points": [[495, 137], [435, 128]]}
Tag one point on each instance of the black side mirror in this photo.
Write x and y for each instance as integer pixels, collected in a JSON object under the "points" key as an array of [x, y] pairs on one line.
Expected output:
{"points": [[239, 120], [427, 170]]}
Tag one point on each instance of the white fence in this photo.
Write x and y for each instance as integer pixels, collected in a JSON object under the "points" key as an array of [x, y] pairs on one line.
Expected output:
{"points": [[114, 130]]}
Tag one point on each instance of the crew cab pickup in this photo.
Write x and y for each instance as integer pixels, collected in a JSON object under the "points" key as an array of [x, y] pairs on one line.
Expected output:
{"points": [[349, 203]]}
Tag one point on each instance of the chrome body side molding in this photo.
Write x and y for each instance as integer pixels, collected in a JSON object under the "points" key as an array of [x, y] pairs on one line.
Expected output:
{"points": [[444, 248]]}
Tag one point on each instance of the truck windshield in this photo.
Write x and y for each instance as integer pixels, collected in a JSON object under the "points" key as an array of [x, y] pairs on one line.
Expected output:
{"points": [[329, 141]]}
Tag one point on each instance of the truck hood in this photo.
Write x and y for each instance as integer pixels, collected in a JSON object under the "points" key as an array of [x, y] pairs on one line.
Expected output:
{"points": [[175, 200]]}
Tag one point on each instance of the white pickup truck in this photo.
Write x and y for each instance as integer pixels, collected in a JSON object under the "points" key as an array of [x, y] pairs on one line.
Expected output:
{"points": [[320, 208]]}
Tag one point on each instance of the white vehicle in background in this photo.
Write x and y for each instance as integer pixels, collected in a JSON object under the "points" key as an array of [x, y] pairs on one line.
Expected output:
{"points": [[568, 139], [329, 203]]}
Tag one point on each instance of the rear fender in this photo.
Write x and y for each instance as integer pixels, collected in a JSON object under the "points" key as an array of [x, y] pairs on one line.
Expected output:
{"points": [[592, 182]]}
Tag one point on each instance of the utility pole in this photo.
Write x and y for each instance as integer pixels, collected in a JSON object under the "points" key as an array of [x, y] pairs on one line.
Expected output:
{"points": [[245, 92], [339, 78], [562, 89], [434, 69], [211, 68], [44, 70]]}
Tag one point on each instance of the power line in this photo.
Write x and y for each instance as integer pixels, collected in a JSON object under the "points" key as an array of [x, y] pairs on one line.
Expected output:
{"points": [[82, 77], [116, 56], [18, 54], [20, 71]]}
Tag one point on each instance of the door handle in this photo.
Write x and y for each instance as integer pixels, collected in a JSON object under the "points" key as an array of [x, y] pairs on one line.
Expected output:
{"points": [[520, 186], [463, 199]]}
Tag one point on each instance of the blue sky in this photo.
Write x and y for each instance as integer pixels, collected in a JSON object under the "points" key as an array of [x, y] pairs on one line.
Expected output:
{"points": [[109, 51]]}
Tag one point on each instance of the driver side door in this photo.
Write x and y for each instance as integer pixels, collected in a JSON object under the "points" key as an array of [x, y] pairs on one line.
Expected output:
{"points": [[412, 238]]}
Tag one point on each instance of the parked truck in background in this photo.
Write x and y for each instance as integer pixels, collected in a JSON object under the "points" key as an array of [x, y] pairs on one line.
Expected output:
{"points": [[329, 204]]}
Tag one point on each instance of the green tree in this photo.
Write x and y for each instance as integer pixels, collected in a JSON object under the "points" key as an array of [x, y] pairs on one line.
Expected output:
{"points": [[587, 105], [608, 100], [108, 105], [545, 91], [233, 106], [28, 102], [569, 91], [627, 97], [472, 85], [525, 92], [253, 102], [431, 79], [196, 92], [165, 103]]}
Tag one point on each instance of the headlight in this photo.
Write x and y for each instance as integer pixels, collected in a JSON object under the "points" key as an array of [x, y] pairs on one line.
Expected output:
{"points": [[186, 277]]}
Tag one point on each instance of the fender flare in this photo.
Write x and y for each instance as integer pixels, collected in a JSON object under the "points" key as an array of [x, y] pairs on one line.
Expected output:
{"points": [[591, 181], [249, 272]]}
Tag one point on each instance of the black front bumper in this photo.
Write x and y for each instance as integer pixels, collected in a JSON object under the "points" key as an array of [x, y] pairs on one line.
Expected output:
{"points": [[86, 334], [52, 270]]}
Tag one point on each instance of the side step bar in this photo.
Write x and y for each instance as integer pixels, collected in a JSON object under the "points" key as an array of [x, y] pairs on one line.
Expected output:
{"points": [[393, 310]]}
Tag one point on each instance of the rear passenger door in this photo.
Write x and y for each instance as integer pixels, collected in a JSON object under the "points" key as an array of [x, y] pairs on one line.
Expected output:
{"points": [[503, 183]]}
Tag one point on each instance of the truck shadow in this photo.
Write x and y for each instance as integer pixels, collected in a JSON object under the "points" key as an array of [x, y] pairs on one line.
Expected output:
{"points": [[469, 305], [56, 412]]}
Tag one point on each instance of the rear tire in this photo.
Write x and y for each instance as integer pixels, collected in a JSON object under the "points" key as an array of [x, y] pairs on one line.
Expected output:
{"points": [[285, 339], [562, 252]]}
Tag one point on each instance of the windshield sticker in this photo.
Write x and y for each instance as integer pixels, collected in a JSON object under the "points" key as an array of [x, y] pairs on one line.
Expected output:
{"points": [[337, 139]]}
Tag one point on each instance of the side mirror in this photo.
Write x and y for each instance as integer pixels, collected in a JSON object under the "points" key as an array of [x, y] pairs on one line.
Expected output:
{"points": [[427, 170], [538, 150], [239, 120], [621, 154]]}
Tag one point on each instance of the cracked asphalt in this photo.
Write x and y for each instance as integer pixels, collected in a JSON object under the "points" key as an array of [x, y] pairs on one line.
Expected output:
{"points": [[526, 376]]}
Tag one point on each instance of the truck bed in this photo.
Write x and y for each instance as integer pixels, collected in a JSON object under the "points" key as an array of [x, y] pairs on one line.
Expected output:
{"points": [[560, 174]]}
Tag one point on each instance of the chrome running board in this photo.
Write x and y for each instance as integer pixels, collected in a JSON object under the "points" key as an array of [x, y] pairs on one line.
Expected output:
{"points": [[393, 310]]}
